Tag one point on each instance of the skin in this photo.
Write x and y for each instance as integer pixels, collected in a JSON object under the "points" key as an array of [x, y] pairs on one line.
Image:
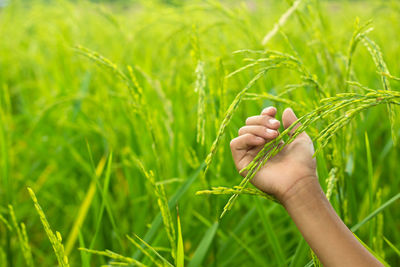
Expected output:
{"points": [[291, 177]]}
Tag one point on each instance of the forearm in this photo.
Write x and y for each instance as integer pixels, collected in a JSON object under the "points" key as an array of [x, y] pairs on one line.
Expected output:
{"points": [[324, 231]]}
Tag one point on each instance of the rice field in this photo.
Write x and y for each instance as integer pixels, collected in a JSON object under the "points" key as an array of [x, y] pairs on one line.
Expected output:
{"points": [[116, 118]]}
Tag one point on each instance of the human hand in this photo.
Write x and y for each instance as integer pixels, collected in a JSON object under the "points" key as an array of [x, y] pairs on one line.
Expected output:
{"points": [[283, 173]]}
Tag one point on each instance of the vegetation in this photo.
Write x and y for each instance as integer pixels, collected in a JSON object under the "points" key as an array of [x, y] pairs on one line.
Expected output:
{"points": [[114, 116]]}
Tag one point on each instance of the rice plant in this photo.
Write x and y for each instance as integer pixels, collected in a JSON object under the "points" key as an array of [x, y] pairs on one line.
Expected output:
{"points": [[55, 239], [117, 112]]}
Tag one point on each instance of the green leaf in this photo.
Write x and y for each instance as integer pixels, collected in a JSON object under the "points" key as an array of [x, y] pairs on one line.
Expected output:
{"points": [[392, 246], [180, 253], [375, 212], [156, 223], [269, 231], [301, 254], [203, 247], [372, 252]]}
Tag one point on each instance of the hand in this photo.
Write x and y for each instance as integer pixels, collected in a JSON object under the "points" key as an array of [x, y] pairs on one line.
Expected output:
{"points": [[292, 166], [291, 177]]}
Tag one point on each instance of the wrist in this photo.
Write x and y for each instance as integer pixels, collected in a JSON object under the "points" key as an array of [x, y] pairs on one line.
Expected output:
{"points": [[303, 192]]}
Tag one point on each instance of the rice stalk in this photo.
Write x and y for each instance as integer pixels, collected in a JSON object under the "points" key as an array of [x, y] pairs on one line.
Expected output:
{"points": [[163, 260], [330, 181], [315, 259], [282, 20], [115, 263], [377, 57], [115, 256], [105, 62], [390, 76], [220, 190], [148, 117], [55, 239], [162, 202], [355, 39], [8, 226], [200, 85], [228, 116], [222, 85], [138, 96], [245, 67], [22, 238], [130, 81], [329, 106], [136, 92], [291, 87], [167, 103], [191, 157], [27, 247], [148, 255], [264, 95], [280, 60]]}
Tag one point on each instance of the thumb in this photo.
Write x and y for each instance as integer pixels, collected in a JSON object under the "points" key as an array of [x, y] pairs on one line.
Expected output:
{"points": [[288, 118]]}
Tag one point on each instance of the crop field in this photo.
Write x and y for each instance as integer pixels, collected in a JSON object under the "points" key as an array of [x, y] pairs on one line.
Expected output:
{"points": [[116, 119]]}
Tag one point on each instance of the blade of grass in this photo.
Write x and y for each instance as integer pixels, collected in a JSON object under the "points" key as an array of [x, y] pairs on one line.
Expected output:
{"points": [[156, 223], [270, 233], [301, 254], [375, 212], [85, 259], [203, 247], [370, 181], [180, 253], [155, 251], [372, 252], [232, 237], [144, 251], [105, 204], [242, 225], [84, 208], [396, 250]]}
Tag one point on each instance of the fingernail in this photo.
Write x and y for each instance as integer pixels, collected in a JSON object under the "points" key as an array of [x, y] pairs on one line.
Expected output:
{"points": [[273, 121], [270, 131], [266, 110]]}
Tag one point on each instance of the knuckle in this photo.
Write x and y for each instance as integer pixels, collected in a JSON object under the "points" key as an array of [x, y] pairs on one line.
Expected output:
{"points": [[232, 144], [262, 129], [247, 135], [265, 121]]}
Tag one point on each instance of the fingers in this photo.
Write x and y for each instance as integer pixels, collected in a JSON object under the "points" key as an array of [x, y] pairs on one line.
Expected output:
{"points": [[259, 130], [264, 125], [246, 141], [270, 111], [288, 118], [264, 120]]}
